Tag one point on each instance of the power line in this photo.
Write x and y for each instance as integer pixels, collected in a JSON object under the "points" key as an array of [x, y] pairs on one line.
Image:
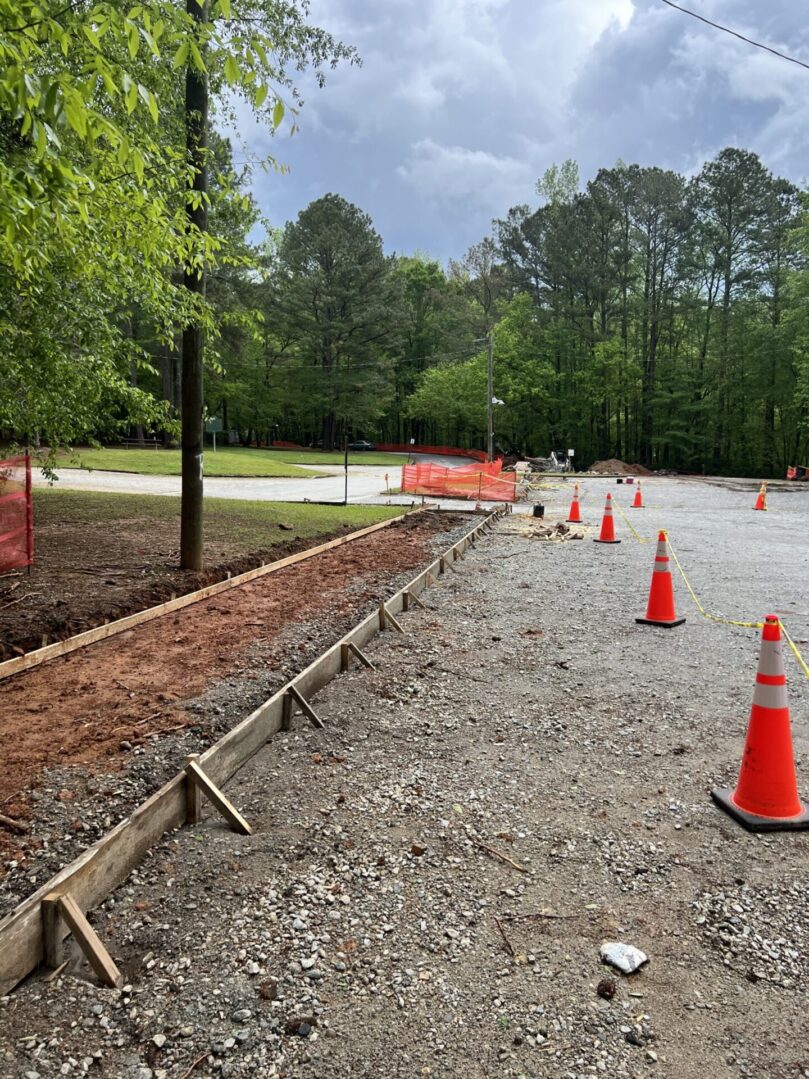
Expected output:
{"points": [[734, 33]]}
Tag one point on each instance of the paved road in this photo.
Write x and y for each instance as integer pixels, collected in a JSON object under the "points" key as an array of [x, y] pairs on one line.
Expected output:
{"points": [[365, 483]]}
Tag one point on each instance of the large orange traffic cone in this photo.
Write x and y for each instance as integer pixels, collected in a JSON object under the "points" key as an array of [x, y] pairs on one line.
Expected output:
{"points": [[660, 608], [574, 516], [607, 533], [638, 503], [761, 501], [766, 795]]}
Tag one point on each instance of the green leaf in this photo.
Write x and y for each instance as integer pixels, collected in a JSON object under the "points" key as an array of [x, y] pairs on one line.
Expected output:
{"points": [[181, 56], [232, 72], [196, 56], [133, 40], [278, 113], [224, 8], [131, 97], [153, 109], [261, 95], [76, 114]]}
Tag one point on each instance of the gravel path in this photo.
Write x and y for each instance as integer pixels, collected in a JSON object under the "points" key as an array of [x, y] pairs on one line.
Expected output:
{"points": [[525, 713]]}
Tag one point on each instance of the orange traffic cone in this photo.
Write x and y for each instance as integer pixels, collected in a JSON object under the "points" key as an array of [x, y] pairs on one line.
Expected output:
{"points": [[638, 503], [574, 515], [660, 608], [761, 501], [607, 534], [766, 795]]}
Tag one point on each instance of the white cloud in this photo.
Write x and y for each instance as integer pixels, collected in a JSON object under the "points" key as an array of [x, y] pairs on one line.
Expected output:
{"points": [[452, 174], [461, 104]]}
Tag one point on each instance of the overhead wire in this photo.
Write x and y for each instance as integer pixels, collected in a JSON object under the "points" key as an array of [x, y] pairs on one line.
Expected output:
{"points": [[735, 33]]}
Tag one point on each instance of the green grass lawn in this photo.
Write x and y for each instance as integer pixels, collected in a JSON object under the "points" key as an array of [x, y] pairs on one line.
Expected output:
{"points": [[226, 461], [245, 525], [336, 457]]}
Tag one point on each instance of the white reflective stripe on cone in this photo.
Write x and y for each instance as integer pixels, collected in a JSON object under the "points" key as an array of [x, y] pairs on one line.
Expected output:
{"points": [[771, 658], [770, 696]]}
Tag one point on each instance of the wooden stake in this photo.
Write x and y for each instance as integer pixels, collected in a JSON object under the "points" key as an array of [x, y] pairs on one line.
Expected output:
{"points": [[57, 908], [216, 798], [409, 597], [193, 795], [286, 712], [295, 697], [347, 650], [383, 615]]}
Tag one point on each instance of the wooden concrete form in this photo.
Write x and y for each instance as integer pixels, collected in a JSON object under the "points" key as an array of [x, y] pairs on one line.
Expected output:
{"points": [[91, 877], [110, 629]]}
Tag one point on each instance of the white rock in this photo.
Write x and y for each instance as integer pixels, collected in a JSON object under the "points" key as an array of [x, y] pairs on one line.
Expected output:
{"points": [[624, 957]]}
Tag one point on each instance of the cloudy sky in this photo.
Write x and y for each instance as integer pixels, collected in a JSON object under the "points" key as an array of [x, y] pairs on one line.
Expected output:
{"points": [[461, 104]]}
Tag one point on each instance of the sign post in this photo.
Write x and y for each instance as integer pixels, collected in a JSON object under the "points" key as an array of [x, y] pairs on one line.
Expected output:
{"points": [[212, 427]]}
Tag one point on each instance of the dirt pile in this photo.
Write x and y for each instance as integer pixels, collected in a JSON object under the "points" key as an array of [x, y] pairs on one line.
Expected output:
{"points": [[614, 467]]}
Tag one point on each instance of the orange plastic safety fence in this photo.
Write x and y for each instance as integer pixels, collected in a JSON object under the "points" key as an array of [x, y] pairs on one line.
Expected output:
{"points": [[479, 482], [16, 514]]}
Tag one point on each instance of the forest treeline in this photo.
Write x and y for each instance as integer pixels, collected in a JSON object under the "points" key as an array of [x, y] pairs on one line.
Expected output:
{"points": [[647, 316]]}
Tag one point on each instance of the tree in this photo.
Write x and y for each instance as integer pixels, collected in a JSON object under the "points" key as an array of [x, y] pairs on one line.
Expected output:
{"points": [[338, 297], [93, 162]]}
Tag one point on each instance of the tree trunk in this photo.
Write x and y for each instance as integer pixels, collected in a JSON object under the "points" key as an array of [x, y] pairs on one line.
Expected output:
{"points": [[196, 131]]}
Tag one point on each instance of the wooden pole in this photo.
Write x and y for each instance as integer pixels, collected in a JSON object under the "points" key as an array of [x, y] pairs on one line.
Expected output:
{"points": [[196, 134]]}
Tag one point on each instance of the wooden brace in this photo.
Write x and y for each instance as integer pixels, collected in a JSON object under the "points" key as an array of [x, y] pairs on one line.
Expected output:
{"points": [[198, 779], [295, 697], [58, 908], [347, 650], [385, 616]]}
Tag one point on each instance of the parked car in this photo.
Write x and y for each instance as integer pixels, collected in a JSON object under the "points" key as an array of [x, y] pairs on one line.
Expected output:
{"points": [[361, 445]]}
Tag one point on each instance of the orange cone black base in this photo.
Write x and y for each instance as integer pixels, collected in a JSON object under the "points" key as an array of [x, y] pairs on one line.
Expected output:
{"points": [[766, 795], [657, 622], [660, 610], [607, 533], [752, 822], [574, 515]]}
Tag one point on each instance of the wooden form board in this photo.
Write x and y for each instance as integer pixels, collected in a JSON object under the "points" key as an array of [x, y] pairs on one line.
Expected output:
{"points": [[110, 629], [103, 867]]}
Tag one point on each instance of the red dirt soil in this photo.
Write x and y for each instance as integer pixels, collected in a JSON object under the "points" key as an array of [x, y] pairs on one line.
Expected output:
{"points": [[77, 709]]}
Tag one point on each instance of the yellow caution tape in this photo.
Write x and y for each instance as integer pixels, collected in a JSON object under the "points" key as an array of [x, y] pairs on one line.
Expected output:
{"points": [[695, 597], [801, 661], [639, 538], [732, 621]]}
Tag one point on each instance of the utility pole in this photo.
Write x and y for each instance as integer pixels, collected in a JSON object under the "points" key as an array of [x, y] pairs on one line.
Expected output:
{"points": [[489, 400], [196, 135]]}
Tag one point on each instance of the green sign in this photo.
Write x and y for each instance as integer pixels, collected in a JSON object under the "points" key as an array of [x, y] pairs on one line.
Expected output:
{"points": [[213, 426]]}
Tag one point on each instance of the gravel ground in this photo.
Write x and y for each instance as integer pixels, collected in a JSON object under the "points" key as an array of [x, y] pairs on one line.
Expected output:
{"points": [[523, 776]]}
